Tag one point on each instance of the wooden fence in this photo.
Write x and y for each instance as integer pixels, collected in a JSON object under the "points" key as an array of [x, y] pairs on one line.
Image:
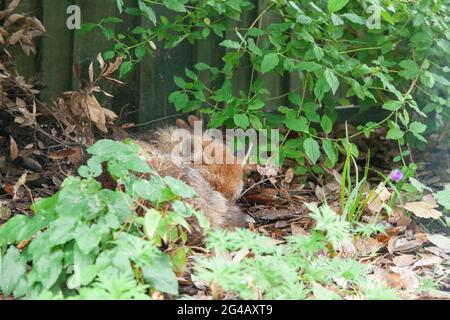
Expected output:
{"points": [[150, 84]]}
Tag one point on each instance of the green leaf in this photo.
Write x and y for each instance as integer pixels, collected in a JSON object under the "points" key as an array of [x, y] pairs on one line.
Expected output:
{"points": [[179, 99], [332, 80], [241, 120], [230, 44], [148, 11], [299, 124], [175, 5], [417, 127], [12, 269], [312, 149], [329, 149], [87, 237], [443, 197], [180, 188], [336, 5], [392, 105], [49, 267], [125, 68], [395, 134], [157, 271], [151, 222], [269, 62], [326, 124]]}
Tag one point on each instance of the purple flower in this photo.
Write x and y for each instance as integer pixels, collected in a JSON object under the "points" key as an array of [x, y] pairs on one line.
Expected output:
{"points": [[396, 175]]}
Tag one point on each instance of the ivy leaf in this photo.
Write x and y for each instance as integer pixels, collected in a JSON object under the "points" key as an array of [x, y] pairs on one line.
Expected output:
{"points": [[312, 150], [332, 80], [336, 5], [269, 62]]}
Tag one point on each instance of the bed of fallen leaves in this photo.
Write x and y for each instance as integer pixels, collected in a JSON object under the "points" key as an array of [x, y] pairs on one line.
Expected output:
{"points": [[42, 144]]}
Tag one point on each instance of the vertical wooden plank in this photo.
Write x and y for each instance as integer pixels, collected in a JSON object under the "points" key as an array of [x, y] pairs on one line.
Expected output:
{"points": [[276, 84], [26, 65], [86, 47], [127, 95], [56, 54], [243, 74], [208, 51], [156, 78]]}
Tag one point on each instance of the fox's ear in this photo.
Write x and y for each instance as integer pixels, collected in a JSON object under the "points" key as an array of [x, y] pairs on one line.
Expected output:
{"points": [[192, 120], [182, 124]]}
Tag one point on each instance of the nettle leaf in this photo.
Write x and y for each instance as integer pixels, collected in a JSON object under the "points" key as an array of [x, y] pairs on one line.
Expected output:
{"points": [[312, 150], [269, 62], [336, 5], [332, 80], [87, 237], [152, 220]]}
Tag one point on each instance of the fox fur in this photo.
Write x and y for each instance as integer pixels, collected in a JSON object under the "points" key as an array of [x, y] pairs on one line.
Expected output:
{"points": [[218, 185]]}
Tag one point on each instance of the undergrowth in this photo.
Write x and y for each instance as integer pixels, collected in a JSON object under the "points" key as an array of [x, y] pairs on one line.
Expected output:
{"points": [[130, 242]]}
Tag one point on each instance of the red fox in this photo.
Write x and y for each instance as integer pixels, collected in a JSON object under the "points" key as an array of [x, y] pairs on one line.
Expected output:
{"points": [[218, 185]]}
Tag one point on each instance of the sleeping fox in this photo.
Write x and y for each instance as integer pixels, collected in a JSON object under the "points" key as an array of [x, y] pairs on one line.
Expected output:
{"points": [[217, 184]]}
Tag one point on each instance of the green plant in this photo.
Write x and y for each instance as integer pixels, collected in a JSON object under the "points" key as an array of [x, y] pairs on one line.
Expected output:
{"points": [[254, 267], [87, 241], [340, 57]]}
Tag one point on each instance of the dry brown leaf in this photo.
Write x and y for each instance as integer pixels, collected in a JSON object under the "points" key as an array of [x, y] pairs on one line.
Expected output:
{"points": [[440, 241], [96, 113], [13, 149], [366, 247], [289, 176], [377, 198], [297, 230], [401, 244], [62, 154], [22, 180], [423, 209], [404, 260], [428, 260]]}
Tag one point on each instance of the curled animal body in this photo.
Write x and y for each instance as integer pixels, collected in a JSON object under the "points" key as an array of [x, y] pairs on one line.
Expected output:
{"points": [[217, 183]]}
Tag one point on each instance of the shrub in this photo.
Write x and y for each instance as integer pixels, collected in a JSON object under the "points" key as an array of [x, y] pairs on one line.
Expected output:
{"points": [[335, 48], [88, 241]]}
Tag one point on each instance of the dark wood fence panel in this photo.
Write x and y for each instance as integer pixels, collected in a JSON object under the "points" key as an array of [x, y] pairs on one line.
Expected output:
{"points": [[151, 82]]}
